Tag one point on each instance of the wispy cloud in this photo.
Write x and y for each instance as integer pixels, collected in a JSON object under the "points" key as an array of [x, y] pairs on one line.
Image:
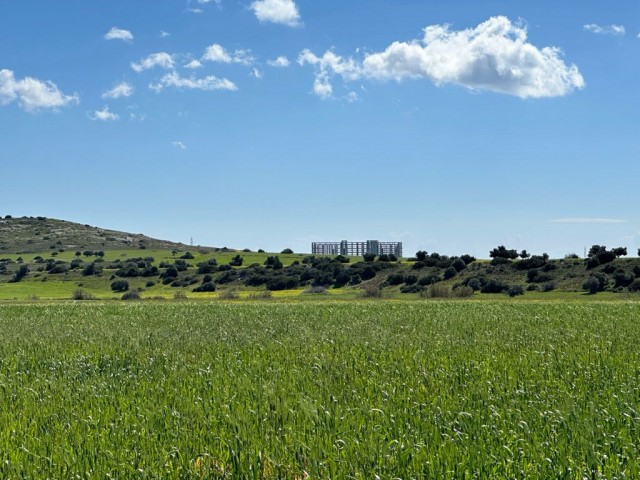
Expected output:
{"points": [[164, 34], [179, 145], [284, 12], [32, 94], [616, 30], [208, 83], [160, 59], [587, 220], [120, 90], [104, 115], [493, 56], [119, 34]]}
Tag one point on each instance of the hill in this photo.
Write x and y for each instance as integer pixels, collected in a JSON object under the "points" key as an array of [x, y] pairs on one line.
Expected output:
{"points": [[41, 234]]}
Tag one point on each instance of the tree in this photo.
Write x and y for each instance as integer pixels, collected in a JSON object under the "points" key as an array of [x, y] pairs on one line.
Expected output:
{"points": [[524, 254], [502, 252], [20, 274], [421, 255], [369, 257], [286, 251]]}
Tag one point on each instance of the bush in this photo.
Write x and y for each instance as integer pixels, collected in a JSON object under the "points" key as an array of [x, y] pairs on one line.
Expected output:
{"points": [[132, 295], [371, 291], [411, 289], [493, 286], [316, 290], [206, 287], [342, 259], [187, 256], [438, 290], [80, 294], [229, 294], [463, 291], [120, 286], [450, 273], [594, 284], [369, 257], [150, 284], [236, 261], [395, 279], [20, 274], [515, 290], [286, 251], [474, 284]]}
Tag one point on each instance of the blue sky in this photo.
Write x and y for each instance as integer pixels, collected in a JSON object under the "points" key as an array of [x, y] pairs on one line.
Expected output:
{"points": [[451, 126]]}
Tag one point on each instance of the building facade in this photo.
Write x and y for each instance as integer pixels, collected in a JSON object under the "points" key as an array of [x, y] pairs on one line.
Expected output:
{"points": [[357, 249]]}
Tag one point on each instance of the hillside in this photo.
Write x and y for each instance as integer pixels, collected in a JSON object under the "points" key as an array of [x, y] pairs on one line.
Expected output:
{"points": [[40, 234]]}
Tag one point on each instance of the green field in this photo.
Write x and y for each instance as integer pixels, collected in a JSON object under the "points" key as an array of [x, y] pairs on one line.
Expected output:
{"points": [[329, 390]]}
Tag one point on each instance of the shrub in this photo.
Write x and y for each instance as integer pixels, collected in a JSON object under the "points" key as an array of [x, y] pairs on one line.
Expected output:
{"points": [[395, 279], [120, 286], [474, 284], [438, 290], [260, 295], [132, 295], [514, 290], [316, 290], [493, 286], [369, 257], [236, 261], [502, 252], [20, 274], [229, 294], [178, 296], [411, 289], [150, 284], [547, 287], [79, 294], [450, 273], [634, 286], [187, 256], [371, 291], [594, 284], [286, 251], [342, 259], [206, 287], [410, 279], [463, 291]]}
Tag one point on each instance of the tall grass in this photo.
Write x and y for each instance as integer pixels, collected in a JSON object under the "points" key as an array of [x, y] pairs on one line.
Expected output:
{"points": [[332, 390]]}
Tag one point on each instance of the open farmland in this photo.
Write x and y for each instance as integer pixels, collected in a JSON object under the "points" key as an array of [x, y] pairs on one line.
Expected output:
{"points": [[329, 390]]}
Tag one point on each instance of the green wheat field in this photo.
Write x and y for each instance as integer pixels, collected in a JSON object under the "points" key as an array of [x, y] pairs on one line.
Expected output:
{"points": [[360, 390]]}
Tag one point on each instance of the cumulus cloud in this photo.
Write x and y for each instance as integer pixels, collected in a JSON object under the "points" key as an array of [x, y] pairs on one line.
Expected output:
{"points": [[160, 59], [493, 56], [284, 12], [32, 94], [217, 53], [208, 83], [193, 64], [119, 34], [281, 62], [120, 90], [104, 115], [616, 30]]}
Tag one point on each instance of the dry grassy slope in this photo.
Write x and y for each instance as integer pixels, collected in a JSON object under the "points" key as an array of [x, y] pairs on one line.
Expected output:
{"points": [[39, 234]]}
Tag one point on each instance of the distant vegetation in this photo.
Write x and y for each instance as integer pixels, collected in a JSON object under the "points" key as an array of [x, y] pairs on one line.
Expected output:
{"points": [[102, 271]]}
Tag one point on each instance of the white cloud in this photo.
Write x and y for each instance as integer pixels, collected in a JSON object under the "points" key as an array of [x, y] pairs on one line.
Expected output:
{"points": [[193, 64], [322, 87], [587, 220], [121, 90], [208, 1], [179, 145], [256, 73], [195, 10], [284, 12], [208, 83], [160, 59], [281, 61], [119, 34], [616, 30], [104, 115], [217, 53], [164, 34], [493, 56], [32, 94]]}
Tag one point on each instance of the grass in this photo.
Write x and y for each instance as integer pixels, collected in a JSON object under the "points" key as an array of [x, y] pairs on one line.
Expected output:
{"points": [[438, 389]]}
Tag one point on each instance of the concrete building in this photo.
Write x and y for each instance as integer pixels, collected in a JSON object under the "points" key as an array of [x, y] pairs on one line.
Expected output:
{"points": [[357, 249]]}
